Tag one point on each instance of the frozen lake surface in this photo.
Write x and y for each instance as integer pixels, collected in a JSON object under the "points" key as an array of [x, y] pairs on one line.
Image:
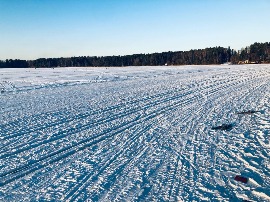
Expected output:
{"points": [[135, 133]]}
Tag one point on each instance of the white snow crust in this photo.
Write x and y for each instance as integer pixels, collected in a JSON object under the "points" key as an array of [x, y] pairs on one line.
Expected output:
{"points": [[135, 133]]}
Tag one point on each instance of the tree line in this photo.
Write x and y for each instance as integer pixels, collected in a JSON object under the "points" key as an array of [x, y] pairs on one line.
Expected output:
{"points": [[256, 53]]}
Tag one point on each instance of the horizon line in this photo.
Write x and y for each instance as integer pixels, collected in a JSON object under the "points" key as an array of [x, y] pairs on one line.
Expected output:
{"points": [[129, 54]]}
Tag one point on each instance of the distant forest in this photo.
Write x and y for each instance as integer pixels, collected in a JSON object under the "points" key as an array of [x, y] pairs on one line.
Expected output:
{"points": [[255, 53]]}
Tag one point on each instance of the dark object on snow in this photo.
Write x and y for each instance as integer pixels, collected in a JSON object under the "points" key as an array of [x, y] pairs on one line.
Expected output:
{"points": [[226, 127], [241, 179], [248, 112]]}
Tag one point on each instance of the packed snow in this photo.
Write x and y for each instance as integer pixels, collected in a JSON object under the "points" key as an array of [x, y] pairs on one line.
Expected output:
{"points": [[178, 133]]}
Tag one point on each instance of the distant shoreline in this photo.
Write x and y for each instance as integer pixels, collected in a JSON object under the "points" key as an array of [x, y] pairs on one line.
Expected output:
{"points": [[256, 53]]}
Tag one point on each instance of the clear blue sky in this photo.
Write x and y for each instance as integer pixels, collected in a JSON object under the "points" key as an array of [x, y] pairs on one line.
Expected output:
{"points": [[31, 29]]}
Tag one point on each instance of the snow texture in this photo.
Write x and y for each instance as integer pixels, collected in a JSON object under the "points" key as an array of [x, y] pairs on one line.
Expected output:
{"points": [[135, 133]]}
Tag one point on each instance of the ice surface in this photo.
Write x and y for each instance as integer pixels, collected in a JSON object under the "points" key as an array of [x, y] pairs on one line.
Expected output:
{"points": [[135, 133]]}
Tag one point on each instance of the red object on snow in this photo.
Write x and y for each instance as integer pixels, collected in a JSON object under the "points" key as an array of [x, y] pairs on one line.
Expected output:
{"points": [[241, 179]]}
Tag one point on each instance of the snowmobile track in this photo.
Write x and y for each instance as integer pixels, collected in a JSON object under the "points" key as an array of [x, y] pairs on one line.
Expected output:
{"points": [[146, 137]]}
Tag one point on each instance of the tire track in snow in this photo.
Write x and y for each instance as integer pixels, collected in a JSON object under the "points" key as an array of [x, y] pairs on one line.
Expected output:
{"points": [[132, 157], [40, 126], [80, 117], [40, 163], [244, 96], [66, 132], [77, 189], [188, 177], [199, 119], [170, 178], [21, 148], [15, 174]]}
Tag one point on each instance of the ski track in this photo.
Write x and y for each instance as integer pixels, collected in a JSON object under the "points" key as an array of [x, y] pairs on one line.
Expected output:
{"points": [[135, 134]]}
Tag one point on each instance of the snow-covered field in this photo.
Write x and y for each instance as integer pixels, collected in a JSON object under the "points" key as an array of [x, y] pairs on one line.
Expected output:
{"points": [[135, 133]]}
